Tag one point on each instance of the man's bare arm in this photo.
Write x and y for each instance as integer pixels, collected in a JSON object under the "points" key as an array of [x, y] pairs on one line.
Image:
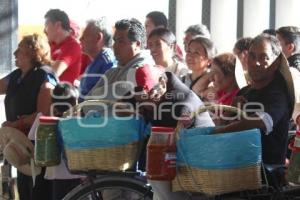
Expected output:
{"points": [[241, 125], [59, 67]]}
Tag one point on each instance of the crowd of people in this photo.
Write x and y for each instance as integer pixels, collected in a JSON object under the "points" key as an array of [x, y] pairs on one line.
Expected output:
{"points": [[136, 63]]}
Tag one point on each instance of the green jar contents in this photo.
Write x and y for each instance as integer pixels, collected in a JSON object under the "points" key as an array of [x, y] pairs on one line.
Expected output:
{"points": [[46, 147], [293, 172]]}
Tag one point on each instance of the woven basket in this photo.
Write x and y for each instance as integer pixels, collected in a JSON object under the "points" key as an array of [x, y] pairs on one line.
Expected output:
{"points": [[117, 158], [214, 182], [104, 148]]}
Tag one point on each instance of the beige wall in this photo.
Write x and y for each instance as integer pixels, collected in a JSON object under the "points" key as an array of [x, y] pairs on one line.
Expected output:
{"points": [[2, 111]]}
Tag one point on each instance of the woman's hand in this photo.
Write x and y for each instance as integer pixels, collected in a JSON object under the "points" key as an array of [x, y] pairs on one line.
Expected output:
{"points": [[209, 94], [10, 124], [239, 101], [23, 123], [186, 120]]}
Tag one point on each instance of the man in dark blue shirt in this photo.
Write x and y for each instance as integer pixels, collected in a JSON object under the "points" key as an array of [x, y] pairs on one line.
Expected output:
{"points": [[270, 96]]}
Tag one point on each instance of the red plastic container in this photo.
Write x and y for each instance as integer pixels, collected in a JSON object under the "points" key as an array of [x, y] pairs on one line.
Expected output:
{"points": [[161, 154]]}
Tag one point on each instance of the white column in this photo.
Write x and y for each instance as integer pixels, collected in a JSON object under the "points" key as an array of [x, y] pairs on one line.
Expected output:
{"points": [[223, 24], [188, 12], [287, 13], [256, 17]]}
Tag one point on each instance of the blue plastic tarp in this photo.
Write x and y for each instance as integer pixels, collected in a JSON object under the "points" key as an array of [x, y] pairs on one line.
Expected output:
{"points": [[98, 132], [200, 148]]}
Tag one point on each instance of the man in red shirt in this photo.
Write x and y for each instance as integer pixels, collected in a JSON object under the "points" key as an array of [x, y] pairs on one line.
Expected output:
{"points": [[65, 50]]}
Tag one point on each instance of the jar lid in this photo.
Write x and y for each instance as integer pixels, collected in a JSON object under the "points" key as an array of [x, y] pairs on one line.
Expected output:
{"points": [[162, 129], [48, 119]]}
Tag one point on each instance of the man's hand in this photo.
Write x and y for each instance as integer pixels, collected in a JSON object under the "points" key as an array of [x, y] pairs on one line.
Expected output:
{"points": [[59, 67], [218, 130]]}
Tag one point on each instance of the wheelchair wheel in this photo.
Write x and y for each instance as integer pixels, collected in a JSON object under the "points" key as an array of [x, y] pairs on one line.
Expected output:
{"points": [[111, 188]]}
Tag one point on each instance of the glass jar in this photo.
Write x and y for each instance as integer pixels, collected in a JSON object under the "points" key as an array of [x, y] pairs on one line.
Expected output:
{"points": [[46, 146], [293, 172]]}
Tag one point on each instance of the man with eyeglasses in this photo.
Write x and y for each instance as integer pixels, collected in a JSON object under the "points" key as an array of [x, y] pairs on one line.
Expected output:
{"points": [[271, 96]]}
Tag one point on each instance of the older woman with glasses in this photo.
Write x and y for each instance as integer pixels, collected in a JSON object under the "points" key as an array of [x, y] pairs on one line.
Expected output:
{"points": [[28, 91]]}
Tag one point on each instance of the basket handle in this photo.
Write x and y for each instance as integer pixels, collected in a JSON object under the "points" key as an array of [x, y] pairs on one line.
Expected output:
{"points": [[77, 108], [210, 107], [219, 106]]}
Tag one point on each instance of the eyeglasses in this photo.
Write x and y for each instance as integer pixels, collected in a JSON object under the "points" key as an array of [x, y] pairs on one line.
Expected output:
{"points": [[260, 58]]}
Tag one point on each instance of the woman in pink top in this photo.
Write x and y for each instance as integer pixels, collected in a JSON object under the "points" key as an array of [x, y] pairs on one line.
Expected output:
{"points": [[223, 68], [224, 84]]}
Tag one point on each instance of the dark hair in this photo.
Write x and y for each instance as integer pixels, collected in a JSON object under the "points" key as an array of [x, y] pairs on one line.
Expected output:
{"points": [[226, 62], [56, 15], [168, 37], [66, 94], [158, 18], [208, 45], [272, 40], [243, 44], [136, 30], [270, 31], [165, 34], [198, 29], [290, 34], [102, 25]]}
